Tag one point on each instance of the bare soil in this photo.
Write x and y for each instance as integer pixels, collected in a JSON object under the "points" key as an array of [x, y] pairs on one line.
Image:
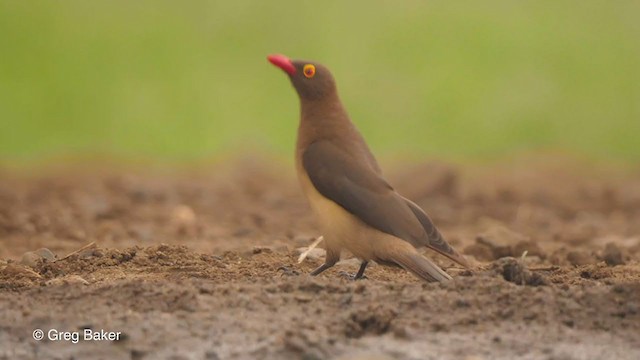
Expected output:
{"points": [[202, 264]]}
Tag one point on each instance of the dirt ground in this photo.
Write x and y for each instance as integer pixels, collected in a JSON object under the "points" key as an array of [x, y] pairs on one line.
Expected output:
{"points": [[202, 264]]}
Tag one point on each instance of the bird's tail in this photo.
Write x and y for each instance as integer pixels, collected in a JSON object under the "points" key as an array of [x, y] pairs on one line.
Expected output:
{"points": [[439, 244], [434, 238], [420, 266]]}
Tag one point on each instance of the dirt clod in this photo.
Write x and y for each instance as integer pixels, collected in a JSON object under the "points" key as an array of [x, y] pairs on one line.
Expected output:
{"points": [[612, 255], [515, 271]]}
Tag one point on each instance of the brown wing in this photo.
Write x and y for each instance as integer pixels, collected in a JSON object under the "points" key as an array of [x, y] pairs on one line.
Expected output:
{"points": [[358, 189]]}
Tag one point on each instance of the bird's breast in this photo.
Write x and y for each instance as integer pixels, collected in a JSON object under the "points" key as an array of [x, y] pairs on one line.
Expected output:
{"points": [[330, 214]]}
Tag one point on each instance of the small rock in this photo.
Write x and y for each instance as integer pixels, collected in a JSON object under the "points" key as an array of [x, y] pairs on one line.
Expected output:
{"points": [[579, 258], [46, 254], [67, 280], [612, 255], [30, 259]]}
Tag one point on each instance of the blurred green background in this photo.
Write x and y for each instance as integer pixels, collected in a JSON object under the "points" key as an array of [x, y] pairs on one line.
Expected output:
{"points": [[188, 80]]}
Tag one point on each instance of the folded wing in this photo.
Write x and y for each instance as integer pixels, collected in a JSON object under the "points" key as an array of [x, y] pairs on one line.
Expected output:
{"points": [[361, 191]]}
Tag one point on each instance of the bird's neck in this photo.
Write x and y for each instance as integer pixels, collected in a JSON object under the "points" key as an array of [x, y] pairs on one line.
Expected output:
{"points": [[323, 119], [328, 120]]}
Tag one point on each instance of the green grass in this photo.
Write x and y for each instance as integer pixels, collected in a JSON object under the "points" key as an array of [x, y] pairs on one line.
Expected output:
{"points": [[180, 81]]}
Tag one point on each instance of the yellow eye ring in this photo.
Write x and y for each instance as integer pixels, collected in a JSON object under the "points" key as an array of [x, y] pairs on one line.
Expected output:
{"points": [[309, 71]]}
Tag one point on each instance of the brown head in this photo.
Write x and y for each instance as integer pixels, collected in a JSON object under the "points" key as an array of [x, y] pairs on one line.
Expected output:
{"points": [[311, 80]]}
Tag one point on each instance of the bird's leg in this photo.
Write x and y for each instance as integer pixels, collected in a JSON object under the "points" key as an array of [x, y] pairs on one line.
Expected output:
{"points": [[360, 273], [321, 268], [331, 259]]}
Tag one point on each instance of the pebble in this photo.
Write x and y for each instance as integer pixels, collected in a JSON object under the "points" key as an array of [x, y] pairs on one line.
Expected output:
{"points": [[612, 255], [31, 258], [46, 254], [67, 280]]}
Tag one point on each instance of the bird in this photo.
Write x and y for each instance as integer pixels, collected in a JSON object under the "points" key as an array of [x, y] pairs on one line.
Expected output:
{"points": [[357, 209]]}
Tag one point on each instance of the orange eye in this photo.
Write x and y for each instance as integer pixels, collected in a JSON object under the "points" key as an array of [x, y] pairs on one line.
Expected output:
{"points": [[309, 70]]}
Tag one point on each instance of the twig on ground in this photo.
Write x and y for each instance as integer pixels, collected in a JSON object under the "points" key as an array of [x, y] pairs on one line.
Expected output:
{"points": [[91, 245], [311, 247], [546, 268]]}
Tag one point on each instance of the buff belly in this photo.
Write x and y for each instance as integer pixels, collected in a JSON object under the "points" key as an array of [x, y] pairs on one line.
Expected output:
{"points": [[344, 231]]}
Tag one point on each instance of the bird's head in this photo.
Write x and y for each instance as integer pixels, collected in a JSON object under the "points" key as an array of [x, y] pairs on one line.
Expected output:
{"points": [[311, 80]]}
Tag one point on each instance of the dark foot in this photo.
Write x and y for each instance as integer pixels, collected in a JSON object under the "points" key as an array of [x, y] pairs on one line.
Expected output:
{"points": [[359, 275], [348, 276], [287, 271]]}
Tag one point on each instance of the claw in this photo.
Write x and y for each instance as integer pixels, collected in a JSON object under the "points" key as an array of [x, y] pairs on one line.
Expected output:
{"points": [[348, 276]]}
